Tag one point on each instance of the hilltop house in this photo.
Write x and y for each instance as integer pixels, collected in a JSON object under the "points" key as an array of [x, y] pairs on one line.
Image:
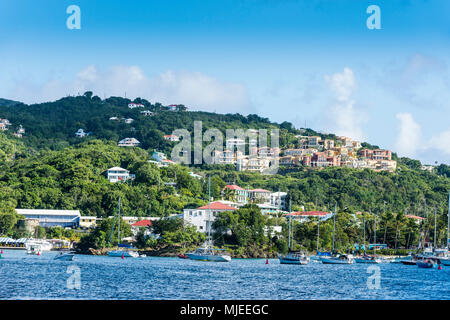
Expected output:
{"points": [[80, 133], [128, 142], [116, 174], [171, 137], [133, 105], [146, 113]]}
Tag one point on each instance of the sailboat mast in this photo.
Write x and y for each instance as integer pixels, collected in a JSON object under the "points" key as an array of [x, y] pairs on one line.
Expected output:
{"points": [[434, 245], [334, 225], [448, 222], [364, 233], [209, 209], [318, 233], [375, 235], [290, 217], [118, 229]]}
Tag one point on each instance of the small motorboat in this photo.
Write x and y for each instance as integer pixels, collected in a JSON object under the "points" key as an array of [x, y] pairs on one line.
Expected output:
{"points": [[182, 256], [426, 263], [367, 259], [68, 256], [340, 259], [294, 258]]}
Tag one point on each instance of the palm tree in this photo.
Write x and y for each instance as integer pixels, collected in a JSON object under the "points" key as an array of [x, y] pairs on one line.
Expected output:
{"points": [[229, 194]]}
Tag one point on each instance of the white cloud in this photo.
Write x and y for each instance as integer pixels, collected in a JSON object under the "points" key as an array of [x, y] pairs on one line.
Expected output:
{"points": [[441, 142], [411, 143], [409, 135], [194, 89], [343, 117]]}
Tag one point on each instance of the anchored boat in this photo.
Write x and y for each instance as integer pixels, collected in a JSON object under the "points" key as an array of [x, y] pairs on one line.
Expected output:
{"points": [[292, 257], [120, 252], [68, 256], [207, 252], [340, 259]]}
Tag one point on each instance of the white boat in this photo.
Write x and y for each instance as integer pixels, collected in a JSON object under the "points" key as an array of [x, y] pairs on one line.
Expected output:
{"points": [[35, 246], [294, 258], [68, 256], [207, 252], [367, 259], [122, 253], [340, 259]]}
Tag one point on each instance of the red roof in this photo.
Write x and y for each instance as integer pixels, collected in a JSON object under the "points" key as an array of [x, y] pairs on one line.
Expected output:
{"points": [[414, 217], [233, 187], [142, 223], [260, 190], [309, 213], [217, 205]]}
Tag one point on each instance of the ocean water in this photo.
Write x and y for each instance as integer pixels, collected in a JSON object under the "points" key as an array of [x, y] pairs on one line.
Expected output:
{"points": [[25, 276]]}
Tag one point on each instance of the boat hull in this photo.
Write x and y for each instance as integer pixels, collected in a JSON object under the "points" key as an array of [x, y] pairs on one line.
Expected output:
{"points": [[125, 254], [209, 257], [422, 264], [293, 261], [335, 261], [359, 260], [445, 262], [65, 257]]}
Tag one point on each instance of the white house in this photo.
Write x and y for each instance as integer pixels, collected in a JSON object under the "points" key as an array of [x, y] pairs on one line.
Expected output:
{"points": [[80, 133], [171, 137], [147, 113], [128, 142], [194, 175], [203, 216], [133, 105], [128, 121], [278, 199], [116, 174], [114, 119]]}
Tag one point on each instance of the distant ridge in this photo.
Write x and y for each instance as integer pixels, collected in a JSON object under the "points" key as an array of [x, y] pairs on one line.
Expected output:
{"points": [[8, 103]]}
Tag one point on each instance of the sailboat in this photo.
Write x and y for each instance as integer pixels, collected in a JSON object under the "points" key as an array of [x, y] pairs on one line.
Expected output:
{"points": [[445, 257], [120, 252], [366, 258], [207, 252], [340, 258], [293, 257]]}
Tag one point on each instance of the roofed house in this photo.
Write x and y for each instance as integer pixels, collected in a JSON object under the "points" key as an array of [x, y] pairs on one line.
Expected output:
{"points": [[116, 174], [133, 105], [303, 216], [80, 133], [171, 137], [128, 142], [202, 217]]}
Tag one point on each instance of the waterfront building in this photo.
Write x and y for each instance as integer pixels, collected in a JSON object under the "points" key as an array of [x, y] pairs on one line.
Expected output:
{"points": [[51, 218], [203, 216]]}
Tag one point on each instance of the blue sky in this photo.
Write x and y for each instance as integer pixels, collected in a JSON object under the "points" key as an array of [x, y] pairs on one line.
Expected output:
{"points": [[312, 62]]}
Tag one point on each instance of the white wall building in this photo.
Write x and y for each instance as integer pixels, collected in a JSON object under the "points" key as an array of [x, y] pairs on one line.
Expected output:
{"points": [[116, 174], [52, 218], [278, 199], [133, 105], [203, 216], [128, 142]]}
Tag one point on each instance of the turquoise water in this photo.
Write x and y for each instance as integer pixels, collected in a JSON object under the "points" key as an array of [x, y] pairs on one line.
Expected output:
{"points": [[40, 277]]}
